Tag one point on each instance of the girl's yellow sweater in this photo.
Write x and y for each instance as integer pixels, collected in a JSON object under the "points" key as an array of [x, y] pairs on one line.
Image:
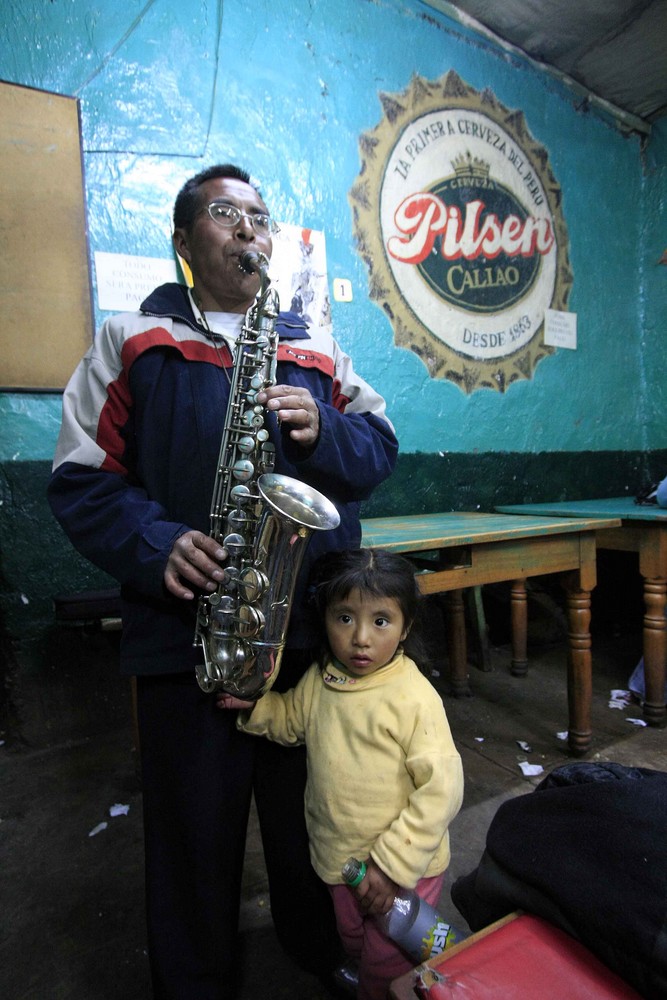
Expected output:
{"points": [[384, 777]]}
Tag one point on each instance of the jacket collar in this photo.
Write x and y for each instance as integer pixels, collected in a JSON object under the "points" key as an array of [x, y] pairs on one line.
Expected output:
{"points": [[172, 300]]}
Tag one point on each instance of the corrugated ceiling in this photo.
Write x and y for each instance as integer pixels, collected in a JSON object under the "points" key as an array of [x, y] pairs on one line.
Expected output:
{"points": [[614, 49]]}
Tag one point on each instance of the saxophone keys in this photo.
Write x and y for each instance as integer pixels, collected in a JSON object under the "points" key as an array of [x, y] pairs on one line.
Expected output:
{"points": [[250, 621], [235, 544], [253, 417], [237, 521], [240, 494], [207, 685], [246, 444], [267, 457], [224, 605], [252, 584], [243, 470]]}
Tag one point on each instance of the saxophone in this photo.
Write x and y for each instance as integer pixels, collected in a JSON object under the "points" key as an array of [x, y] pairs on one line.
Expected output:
{"points": [[263, 520]]}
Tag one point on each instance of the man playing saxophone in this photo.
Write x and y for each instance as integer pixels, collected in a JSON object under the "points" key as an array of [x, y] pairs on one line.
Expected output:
{"points": [[131, 485]]}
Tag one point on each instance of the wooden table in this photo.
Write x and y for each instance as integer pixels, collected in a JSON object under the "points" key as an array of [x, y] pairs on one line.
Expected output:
{"points": [[469, 550], [643, 530]]}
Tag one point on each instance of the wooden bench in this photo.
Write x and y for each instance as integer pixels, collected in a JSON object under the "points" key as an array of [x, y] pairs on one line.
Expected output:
{"points": [[89, 609]]}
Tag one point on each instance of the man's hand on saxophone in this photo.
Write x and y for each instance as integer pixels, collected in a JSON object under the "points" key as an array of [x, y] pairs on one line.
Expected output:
{"points": [[195, 558], [294, 405]]}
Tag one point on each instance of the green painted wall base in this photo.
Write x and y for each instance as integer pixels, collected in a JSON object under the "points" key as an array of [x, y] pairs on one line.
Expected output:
{"points": [[38, 562], [427, 483]]}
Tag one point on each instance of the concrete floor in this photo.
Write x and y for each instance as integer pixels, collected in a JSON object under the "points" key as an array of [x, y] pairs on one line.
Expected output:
{"points": [[72, 903]]}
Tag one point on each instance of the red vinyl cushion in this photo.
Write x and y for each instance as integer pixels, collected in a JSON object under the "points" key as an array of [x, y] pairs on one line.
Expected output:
{"points": [[524, 959]]}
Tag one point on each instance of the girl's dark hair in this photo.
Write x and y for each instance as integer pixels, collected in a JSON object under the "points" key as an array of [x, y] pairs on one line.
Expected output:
{"points": [[374, 571], [187, 204]]}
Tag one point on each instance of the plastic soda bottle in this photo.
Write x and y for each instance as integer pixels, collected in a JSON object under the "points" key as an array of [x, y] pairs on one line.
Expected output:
{"points": [[411, 922]]}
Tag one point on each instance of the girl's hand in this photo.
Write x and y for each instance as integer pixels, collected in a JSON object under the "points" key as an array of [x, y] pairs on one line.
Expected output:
{"points": [[224, 700], [377, 891]]}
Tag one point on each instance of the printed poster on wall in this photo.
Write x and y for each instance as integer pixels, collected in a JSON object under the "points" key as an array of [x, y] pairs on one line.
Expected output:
{"points": [[458, 217], [298, 272]]}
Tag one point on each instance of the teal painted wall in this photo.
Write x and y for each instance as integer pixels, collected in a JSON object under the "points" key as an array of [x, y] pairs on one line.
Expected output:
{"points": [[168, 87]]}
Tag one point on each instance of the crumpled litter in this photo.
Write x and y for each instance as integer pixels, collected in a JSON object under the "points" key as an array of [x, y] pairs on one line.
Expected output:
{"points": [[530, 770], [619, 698], [526, 747], [563, 736], [117, 809], [636, 722]]}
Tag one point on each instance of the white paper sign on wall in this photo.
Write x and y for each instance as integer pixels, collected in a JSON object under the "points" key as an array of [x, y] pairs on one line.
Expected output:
{"points": [[560, 329]]}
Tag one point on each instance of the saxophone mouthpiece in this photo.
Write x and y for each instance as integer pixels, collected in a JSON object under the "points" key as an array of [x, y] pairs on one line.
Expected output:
{"points": [[253, 263]]}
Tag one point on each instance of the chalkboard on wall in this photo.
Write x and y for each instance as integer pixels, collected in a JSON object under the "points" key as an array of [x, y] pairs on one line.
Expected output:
{"points": [[45, 294]]}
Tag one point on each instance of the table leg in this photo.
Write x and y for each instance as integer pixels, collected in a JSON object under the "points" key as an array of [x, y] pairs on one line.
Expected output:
{"points": [[519, 613], [456, 643], [475, 607], [655, 650], [579, 669]]}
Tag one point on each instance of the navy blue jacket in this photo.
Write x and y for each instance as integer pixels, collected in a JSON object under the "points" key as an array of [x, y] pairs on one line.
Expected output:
{"points": [[137, 454]]}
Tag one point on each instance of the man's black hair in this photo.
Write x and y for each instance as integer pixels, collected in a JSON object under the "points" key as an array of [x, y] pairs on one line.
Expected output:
{"points": [[187, 204]]}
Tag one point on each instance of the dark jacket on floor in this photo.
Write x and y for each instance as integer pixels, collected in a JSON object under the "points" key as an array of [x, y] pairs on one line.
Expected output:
{"points": [[587, 850]]}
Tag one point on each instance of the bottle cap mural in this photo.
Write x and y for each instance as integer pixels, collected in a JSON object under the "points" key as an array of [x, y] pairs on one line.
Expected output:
{"points": [[458, 217]]}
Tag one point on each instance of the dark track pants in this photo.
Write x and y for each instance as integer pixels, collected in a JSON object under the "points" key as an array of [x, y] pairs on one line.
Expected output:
{"points": [[199, 774]]}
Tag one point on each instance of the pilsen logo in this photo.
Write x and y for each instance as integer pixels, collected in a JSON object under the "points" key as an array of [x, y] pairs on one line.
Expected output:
{"points": [[457, 215]]}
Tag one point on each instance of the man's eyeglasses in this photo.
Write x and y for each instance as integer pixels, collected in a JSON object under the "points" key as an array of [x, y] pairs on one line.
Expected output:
{"points": [[229, 216]]}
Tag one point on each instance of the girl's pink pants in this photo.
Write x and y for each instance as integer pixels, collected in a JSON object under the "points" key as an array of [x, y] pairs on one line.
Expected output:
{"points": [[380, 960]]}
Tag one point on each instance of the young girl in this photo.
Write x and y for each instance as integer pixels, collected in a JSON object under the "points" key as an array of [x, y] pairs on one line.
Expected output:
{"points": [[384, 777]]}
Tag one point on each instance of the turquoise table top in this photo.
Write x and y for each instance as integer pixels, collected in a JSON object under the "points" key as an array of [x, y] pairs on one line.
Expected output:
{"points": [[623, 507], [422, 532]]}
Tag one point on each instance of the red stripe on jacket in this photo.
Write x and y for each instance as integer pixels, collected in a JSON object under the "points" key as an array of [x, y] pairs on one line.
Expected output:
{"points": [[306, 358], [114, 413], [192, 350]]}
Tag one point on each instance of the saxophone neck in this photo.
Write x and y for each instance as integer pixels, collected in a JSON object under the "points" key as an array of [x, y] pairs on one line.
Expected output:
{"points": [[266, 300]]}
